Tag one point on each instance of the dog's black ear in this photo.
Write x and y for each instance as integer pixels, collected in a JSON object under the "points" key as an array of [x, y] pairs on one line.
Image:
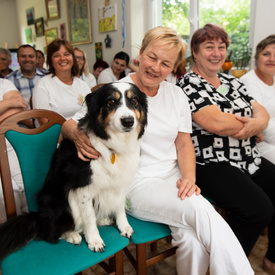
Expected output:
{"points": [[89, 99], [143, 108], [90, 122], [92, 100]]}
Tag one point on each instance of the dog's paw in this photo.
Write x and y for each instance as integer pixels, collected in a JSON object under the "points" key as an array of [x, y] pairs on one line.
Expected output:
{"points": [[72, 237], [127, 232], [97, 245], [105, 222]]}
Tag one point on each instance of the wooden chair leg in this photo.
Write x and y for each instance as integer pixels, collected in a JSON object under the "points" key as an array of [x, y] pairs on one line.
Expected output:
{"points": [[141, 259], [119, 263], [115, 265]]}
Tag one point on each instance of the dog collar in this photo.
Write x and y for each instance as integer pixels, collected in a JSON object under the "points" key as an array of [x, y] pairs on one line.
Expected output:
{"points": [[113, 158]]}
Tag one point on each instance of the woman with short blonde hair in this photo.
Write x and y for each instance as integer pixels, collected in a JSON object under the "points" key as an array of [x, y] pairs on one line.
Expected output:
{"points": [[164, 189]]}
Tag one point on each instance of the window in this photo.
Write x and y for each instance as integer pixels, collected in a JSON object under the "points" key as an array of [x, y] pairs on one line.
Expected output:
{"points": [[187, 15], [233, 16], [175, 15]]}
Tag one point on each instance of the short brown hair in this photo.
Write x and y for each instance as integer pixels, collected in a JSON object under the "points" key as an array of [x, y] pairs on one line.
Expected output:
{"points": [[265, 42], [53, 47], [24, 46], [100, 64], [208, 32], [168, 37]]}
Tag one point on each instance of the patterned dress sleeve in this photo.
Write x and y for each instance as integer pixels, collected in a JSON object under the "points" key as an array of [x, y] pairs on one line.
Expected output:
{"points": [[197, 91]]}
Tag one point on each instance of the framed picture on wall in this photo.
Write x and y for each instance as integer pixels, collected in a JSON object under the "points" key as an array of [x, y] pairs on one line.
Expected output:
{"points": [[30, 16], [52, 8], [63, 31], [98, 50], [107, 17], [39, 26], [50, 35], [79, 22], [28, 35]]}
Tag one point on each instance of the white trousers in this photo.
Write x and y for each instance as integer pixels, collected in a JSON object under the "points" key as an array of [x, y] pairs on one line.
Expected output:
{"points": [[17, 184], [203, 238]]}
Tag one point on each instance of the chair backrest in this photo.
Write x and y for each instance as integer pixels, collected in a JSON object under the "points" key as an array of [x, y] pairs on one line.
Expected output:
{"points": [[97, 86], [34, 149]]}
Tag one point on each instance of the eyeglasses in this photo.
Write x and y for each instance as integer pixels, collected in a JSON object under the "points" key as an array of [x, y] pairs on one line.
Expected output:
{"points": [[80, 57]]}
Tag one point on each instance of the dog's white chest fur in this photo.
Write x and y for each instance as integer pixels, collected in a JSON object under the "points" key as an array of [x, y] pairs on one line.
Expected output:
{"points": [[109, 181], [103, 200]]}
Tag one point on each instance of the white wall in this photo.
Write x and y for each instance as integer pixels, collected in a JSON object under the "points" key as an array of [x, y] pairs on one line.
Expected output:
{"points": [[138, 14], [264, 21], [9, 36]]}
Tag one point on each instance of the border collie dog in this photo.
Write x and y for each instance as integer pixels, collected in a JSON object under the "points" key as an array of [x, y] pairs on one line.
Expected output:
{"points": [[77, 195]]}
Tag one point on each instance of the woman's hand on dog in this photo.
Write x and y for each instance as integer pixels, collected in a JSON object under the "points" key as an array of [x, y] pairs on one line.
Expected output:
{"points": [[85, 150], [187, 188]]}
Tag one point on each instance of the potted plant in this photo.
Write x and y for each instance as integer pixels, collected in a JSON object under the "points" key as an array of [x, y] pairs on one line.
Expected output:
{"points": [[241, 59]]}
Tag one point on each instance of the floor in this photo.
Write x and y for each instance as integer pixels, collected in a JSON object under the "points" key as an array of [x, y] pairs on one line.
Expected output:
{"points": [[168, 267]]}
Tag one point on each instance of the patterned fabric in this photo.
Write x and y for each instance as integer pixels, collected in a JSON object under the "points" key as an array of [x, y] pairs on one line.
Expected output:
{"points": [[24, 84], [230, 97]]}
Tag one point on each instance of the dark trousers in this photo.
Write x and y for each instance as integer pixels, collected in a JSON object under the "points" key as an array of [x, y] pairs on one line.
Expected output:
{"points": [[250, 201]]}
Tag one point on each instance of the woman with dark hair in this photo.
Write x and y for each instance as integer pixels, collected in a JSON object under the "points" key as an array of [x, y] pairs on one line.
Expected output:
{"points": [[260, 84], [116, 71], [61, 90], [227, 124]]}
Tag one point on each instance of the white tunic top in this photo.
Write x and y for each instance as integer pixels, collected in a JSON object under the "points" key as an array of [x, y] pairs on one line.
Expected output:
{"points": [[52, 94], [265, 95], [106, 76], [89, 79], [168, 114]]}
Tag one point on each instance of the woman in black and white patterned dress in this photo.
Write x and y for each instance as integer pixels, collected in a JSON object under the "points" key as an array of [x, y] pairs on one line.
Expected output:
{"points": [[227, 124]]}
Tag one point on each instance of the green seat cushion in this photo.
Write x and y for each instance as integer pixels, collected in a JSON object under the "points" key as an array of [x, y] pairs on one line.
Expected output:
{"points": [[43, 258], [147, 231], [34, 153]]}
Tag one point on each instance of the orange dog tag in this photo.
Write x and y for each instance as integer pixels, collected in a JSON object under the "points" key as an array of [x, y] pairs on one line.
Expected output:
{"points": [[113, 158]]}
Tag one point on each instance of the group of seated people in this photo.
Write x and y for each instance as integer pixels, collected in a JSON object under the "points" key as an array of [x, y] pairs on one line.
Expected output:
{"points": [[210, 134]]}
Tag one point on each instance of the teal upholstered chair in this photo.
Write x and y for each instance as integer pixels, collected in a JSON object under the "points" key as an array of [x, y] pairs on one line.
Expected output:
{"points": [[34, 148], [147, 233]]}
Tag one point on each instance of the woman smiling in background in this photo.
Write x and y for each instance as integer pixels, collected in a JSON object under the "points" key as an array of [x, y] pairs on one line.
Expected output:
{"points": [[60, 91], [260, 84]]}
